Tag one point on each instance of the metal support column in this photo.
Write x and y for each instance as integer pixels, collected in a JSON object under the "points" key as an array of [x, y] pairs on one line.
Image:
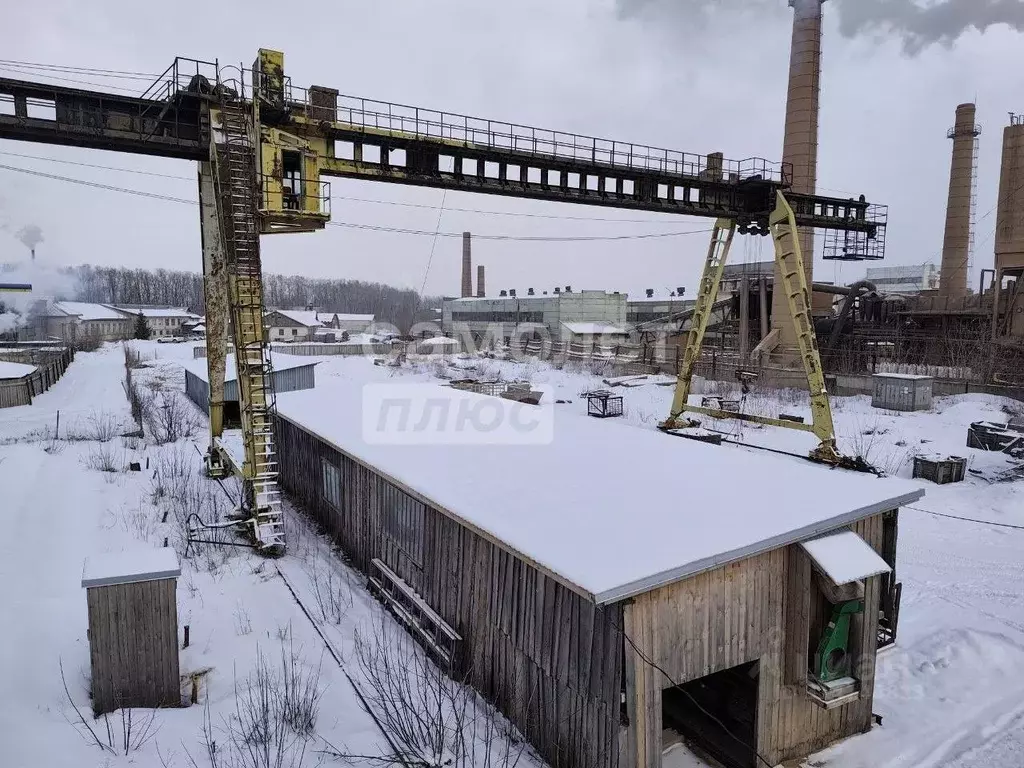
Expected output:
{"points": [[744, 318], [215, 291], [764, 309], [718, 252]]}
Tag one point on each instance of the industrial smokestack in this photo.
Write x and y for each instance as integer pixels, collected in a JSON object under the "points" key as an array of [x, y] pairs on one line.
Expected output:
{"points": [[467, 265], [800, 141], [956, 245], [480, 282], [1010, 214]]}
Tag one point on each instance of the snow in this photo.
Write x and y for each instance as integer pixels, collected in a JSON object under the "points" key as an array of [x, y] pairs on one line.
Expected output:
{"points": [[585, 505], [441, 341], [845, 557], [354, 318], [160, 312], [593, 329], [303, 317], [130, 566], [903, 376], [15, 370], [950, 692], [280, 361], [88, 311]]}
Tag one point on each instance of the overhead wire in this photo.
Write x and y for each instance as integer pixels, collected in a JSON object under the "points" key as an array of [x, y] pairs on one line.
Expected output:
{"points": [[87, 70], [121, 90], [372, 227]]}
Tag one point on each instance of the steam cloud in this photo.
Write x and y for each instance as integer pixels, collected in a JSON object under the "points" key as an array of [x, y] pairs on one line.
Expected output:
{"points": [[916, 25], [30, 235]]}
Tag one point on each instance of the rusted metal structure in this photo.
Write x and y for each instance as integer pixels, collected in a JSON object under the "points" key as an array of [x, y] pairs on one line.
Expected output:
{"points": [[263, 145], [956, 244]]}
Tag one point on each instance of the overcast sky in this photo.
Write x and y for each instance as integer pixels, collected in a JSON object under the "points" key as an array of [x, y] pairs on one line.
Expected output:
{"points": [[694, 81]]}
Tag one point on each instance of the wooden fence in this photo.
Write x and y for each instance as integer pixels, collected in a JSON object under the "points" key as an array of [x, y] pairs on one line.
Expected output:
{"points": [[50, 366]]}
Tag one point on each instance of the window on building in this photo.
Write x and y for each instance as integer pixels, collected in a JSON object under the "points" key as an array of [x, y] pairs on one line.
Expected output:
{"points": [[330, 487], [403, 528], [295, 331]]}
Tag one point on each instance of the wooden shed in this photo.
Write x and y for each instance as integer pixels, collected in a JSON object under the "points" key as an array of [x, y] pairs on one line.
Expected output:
{"points": [[290, 373], [133, 629], [601, 609]]}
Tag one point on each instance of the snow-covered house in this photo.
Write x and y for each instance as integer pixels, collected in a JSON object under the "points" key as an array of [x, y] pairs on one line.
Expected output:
{"points": [[353, 323], [604, 610], [162, 321], [294, 324], [71, 321]]}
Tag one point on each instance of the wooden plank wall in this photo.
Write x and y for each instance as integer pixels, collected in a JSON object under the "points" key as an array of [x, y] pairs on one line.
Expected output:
{"points": [[548, 658], [133, 645], [736, 614]]}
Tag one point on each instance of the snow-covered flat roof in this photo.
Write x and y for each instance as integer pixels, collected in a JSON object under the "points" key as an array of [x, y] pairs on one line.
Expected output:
{"points": [[353, 318], [594, 329], [845, 557], [160, 312], [280, 362], [904, 376], [15, 370], [129, 567], [88, 311], [610, 509]]}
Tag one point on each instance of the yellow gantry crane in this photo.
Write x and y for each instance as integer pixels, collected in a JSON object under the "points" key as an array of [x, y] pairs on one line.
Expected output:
{"points": [[798, 303], [263, 147]]}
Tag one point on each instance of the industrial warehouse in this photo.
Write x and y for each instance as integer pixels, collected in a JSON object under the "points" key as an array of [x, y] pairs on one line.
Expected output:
{"points": [[540, 449]]}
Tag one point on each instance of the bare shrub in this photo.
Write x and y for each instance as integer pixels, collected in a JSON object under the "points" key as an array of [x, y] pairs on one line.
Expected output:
{"points": [[171, 419], [100, 426], [55, 447], [105, 458], [275, 713], [88, 342], [132, 358], [868, 442], [140, 521], [432, 718], [331, 590], [123, 734], [243, 624]]}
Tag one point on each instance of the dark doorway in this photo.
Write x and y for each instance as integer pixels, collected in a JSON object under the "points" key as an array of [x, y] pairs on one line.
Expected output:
{"points": [[717, 714]]}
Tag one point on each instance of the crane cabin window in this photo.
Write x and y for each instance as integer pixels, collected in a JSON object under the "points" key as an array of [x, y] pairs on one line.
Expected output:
{"points": [[330, 487]]}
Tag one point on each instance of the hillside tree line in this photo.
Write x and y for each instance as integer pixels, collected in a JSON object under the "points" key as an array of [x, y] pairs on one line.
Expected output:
{"points": [[121, 285]]}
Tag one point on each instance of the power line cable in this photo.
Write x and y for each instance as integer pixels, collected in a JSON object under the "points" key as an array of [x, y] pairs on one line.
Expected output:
{"points": [[372, 227], [121, 90], [100, 167], [433, 243], [966, 519], [69, 68]]}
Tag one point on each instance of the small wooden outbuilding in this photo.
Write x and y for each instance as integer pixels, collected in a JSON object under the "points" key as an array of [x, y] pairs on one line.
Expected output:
{"points": [[133, 629], [597, 605]]}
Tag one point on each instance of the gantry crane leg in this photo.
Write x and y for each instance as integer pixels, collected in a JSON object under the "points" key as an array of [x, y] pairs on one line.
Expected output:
{"points": [[794, 287], [215, 291], [718, 253]]}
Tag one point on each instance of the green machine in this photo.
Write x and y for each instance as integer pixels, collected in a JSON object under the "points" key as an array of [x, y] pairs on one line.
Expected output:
{"points": [[832, 659]]}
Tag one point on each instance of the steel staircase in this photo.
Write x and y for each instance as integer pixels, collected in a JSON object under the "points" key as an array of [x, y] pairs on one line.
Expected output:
{"points": [[237, 188]]}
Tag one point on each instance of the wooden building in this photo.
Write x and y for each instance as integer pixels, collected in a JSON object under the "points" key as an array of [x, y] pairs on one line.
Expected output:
{"points": [[597, 605], [133, 629]]}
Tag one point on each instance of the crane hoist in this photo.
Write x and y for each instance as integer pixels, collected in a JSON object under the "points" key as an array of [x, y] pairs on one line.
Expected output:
{"points": [[264, 146]]}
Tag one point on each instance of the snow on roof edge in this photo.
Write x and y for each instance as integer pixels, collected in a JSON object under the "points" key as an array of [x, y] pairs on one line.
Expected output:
{"points": [[639, 586], [665, 578]]}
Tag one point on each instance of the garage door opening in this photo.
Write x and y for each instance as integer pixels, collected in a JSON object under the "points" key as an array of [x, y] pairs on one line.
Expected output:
{"points": [[717, 715]]}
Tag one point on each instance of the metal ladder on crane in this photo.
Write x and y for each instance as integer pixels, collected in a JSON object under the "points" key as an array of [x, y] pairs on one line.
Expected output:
{"points": [[234, 157]]}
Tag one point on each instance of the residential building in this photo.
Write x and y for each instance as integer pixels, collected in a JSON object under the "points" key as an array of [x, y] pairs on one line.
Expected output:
{"points": [[291, 325], [162, 321], [73, 321], [508, 316], [914, 278]]}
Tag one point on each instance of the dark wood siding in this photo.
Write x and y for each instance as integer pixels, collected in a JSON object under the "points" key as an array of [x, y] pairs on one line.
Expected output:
{"points": [[133, 644], [545, 655]]}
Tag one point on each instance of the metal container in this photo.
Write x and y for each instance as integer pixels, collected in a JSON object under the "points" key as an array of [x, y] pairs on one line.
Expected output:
{"points": [[902, 392]]}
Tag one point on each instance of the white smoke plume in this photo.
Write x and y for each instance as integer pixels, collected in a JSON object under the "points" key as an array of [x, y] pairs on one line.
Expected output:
{"points": [[30, 235], [48, 281], [916, 23]]}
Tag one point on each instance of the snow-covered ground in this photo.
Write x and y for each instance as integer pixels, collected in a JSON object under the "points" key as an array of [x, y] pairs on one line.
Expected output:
{"points": [[951, 692]]}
